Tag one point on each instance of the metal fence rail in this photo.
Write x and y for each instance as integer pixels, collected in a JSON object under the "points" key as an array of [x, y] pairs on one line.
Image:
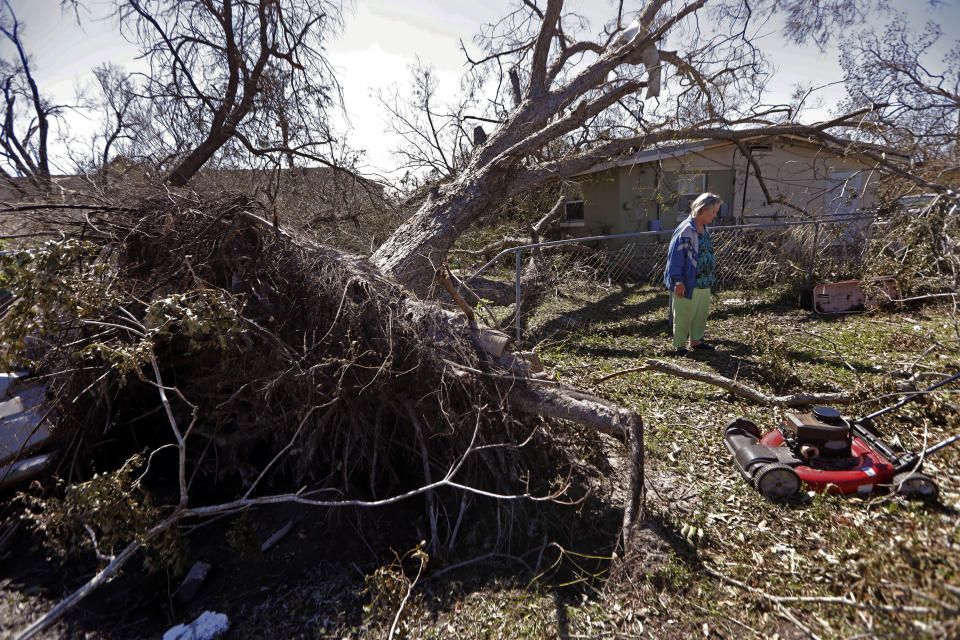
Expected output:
{"points": [[751, 257]]}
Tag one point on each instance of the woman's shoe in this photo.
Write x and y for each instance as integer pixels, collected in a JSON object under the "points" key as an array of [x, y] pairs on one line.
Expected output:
{"points": [[704, 346], [681, 352]]}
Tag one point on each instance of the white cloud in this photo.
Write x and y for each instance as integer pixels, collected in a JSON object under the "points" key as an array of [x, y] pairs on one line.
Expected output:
{"points": [[382, 40]]}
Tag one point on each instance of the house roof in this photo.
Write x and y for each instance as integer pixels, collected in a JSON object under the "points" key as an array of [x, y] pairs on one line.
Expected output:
{"points": [[680, 149]]}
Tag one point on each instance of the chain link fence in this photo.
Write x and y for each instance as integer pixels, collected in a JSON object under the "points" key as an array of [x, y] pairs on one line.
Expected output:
{"points": [[749, 258]]}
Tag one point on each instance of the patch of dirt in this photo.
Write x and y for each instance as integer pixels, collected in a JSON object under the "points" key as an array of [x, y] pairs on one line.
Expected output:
{"points": [[307, 585], [651, 548], [653, 545], [667, 492]]}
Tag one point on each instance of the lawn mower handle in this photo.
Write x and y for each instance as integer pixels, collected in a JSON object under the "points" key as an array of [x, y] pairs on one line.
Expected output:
{"points": [[909, 461], [941, 445], [909, 398]]}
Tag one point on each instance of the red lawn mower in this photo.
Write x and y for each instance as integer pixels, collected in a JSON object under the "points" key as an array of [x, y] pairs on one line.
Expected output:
{"points": [[827, 452]]}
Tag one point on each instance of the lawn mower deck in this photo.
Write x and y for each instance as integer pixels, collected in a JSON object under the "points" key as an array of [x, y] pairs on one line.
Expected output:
{"points": [[827, 452], [778, 469]]}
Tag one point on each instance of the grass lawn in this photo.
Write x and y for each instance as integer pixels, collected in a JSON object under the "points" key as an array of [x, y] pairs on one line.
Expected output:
{"points": [[738, 566]]}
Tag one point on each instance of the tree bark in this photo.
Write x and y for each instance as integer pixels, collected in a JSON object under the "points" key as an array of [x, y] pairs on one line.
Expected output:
{"points": [[194, 162], [420, 245], [738, 388]]}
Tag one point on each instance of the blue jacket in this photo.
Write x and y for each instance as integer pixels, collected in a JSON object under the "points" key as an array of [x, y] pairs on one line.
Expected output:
{"points": [[682, 257]]}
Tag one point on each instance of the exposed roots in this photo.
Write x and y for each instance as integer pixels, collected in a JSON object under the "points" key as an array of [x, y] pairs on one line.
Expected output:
{"points": [[293, 363]]}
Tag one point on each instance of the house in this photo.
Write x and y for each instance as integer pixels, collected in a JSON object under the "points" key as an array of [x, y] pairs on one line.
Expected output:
{"points": [[651, 190]]}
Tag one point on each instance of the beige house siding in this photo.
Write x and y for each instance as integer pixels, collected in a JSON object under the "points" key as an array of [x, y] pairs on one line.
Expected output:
{"points": [[639, 196], [648, 195], [808, 178], [718, 171], [601, 204]]}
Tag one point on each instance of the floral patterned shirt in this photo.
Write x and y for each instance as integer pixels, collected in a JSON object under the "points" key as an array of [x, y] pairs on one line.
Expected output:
{"points": [[706, 262]]}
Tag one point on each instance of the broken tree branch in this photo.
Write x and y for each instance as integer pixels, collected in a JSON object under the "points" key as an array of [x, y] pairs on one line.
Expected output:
{"points": [[451, 290], [406, 597], [738, 388], [569, 404], [869, 606], [104, 576]]}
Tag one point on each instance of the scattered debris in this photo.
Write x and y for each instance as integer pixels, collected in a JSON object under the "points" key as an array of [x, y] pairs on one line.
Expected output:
{"points": [[532, 360], [209, 625], [853, 295], [191, 584], [275, 538]]}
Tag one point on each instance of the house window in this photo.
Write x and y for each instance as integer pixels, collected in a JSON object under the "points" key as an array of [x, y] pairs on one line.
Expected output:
{"points": [[573, 211], [689, 187]]}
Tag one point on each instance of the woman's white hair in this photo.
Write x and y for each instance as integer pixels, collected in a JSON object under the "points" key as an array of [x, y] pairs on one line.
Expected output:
{"points": [[704, 200]]}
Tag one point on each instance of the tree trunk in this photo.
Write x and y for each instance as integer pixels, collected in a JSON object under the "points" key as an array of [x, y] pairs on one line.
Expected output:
{"points": [[198, 157], [420, 245]]}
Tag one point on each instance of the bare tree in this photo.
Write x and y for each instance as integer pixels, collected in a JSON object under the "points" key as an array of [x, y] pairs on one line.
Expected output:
{"points": [[567, 103], [921, 92], [434, 138], [213, 64], [27, 114], [113, 101]]}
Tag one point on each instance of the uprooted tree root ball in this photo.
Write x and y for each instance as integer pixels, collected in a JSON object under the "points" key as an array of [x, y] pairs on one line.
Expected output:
{"points": [[277, 364]]}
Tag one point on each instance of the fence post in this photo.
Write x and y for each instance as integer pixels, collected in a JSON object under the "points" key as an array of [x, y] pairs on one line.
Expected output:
{"points": [[517, 307], [813, 255]]}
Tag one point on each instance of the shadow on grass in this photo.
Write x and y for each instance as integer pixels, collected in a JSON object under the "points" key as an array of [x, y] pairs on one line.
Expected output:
{"points": [[630, 311], [736, 360], [646, 315], [857, 367]]}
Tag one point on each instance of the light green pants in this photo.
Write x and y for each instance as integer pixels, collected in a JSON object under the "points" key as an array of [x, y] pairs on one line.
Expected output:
{"points": [[690, 317]]}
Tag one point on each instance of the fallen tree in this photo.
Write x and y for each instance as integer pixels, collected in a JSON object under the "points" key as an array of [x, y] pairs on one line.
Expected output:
{"points": [[230, 365], [566, 104]]}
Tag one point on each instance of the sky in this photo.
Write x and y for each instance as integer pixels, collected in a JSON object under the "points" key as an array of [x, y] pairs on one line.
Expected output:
{"points": [[387, 37], [381, 39]]}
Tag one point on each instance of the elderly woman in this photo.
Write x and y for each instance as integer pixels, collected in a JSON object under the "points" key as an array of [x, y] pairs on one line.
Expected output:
{"points": [[689, 274]]}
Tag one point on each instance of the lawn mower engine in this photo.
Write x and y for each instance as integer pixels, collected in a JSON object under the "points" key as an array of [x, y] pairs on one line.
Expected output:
{"points": [[822, 432], [824, 451]]}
